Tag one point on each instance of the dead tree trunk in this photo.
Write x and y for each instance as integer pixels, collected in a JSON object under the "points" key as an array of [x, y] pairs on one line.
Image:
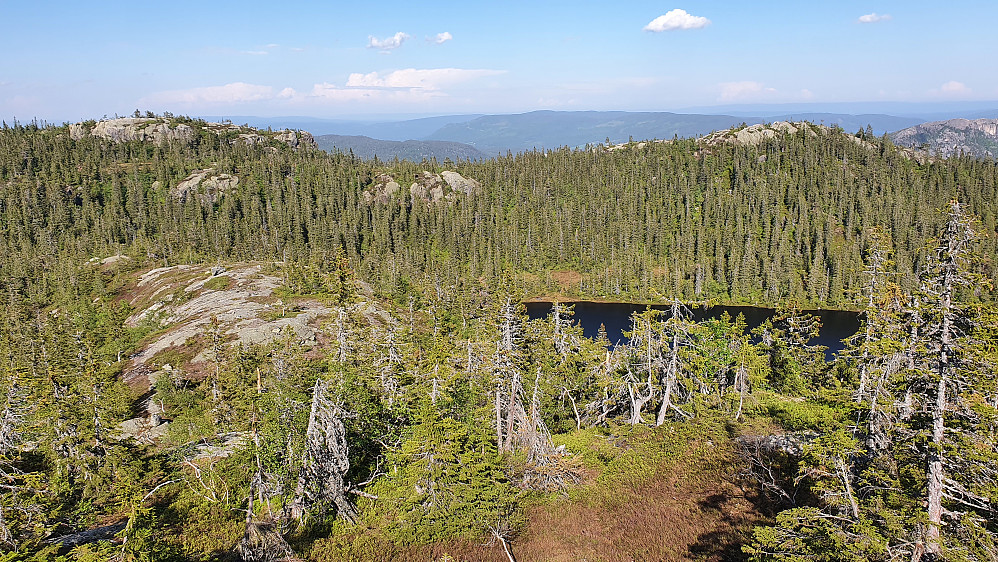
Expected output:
{"points": [[325, 463]]}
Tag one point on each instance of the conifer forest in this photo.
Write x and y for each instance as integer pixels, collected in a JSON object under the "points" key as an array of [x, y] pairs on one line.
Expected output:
{"points": [[234, 347]]}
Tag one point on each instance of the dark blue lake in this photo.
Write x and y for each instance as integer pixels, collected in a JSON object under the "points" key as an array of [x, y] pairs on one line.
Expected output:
{"points": [[836, 325]]}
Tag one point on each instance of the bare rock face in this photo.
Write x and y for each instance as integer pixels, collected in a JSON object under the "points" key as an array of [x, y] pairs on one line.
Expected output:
{"points": [[301, 139], [131, 128], [756, 134], [978, 137], [445, 186], [381, 190], [428, 187], [460, 183], [205, 186], [294, 139], [159, 130], [178, 300]]}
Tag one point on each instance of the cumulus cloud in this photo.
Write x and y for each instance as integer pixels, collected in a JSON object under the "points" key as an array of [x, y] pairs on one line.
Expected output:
{"points": [[236, 92], [676, 19], [954, 87], [873, 18], [332, 92], [441, 38], [400, 86], [424, 79], [387, 44], [734, 91]]}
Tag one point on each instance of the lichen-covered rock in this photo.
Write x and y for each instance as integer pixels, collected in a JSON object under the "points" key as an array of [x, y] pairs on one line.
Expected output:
{"points": [[300, 139], [756, 134], [457, 182], [207, 187], [381, 190], [134, 129], [160, 130], [445, 186]]}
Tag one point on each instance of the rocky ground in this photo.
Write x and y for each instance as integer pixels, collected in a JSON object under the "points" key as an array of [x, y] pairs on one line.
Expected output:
{"points": [[182, 302]]}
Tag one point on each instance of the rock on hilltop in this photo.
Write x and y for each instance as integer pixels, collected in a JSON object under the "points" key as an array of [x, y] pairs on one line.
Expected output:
{"points": [[755, 134], [163, 129], [132, 129], [978, 137]]}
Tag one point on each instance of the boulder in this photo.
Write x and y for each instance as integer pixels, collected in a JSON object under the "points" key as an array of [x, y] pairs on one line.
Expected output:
{"points": [[134, 129], [459, 183], [204, 185]]}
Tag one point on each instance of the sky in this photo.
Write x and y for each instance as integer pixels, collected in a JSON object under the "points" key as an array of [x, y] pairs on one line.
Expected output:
{"points": [[68, 61]]}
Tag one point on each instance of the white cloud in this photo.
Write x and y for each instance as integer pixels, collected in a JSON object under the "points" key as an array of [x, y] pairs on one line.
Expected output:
{"points": [[954, 88], [441, 38], [951, 90], [257, 53], [424, 79], [873, 18], [806, 94], [236, 92], [735, 91], [332, 92], [676, 19], [387, 44], [410, 85]]}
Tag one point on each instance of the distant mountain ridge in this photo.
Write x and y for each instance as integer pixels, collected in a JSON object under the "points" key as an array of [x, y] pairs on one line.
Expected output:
{"points": [[977, 137], [482, 136], [553, 129]]}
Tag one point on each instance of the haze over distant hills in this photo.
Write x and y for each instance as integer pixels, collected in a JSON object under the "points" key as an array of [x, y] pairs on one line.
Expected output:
{"points": [[476, 136]]}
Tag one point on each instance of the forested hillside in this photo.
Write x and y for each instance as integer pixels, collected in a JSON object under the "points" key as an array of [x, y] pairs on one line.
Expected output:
{"points": [[783, 220], [214, 349]]}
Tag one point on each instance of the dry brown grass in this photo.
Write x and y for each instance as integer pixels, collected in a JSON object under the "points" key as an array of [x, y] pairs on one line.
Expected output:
{"points": [[686, 506], [670, 517]]}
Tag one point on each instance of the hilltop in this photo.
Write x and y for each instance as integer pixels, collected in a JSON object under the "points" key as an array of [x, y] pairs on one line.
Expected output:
{"points": [[978, 137], [160, 130]]}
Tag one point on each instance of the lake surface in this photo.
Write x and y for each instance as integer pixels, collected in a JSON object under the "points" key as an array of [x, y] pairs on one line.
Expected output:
{"points": [[836, 325]]}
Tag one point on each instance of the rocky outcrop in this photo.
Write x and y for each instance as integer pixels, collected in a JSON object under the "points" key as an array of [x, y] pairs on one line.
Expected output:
{"points": [[428, 187], [183, 300], [381, 190], [204, 185], [300, 139], [134, 129], [294, 139], [162, 130], [978, 137], [756, 134], [459, 183]]}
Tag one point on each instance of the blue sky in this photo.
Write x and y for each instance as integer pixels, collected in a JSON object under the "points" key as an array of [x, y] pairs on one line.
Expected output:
{"points": [[65, 61]]}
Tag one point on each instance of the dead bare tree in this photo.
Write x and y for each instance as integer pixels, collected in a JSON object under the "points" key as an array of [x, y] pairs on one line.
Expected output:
{"points": [[945, 341], [678, 327], [325, 461], [519, 429]]}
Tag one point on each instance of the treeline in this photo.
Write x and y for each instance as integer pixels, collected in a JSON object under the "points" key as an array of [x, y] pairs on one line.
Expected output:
{"points": [[787, 220]]}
